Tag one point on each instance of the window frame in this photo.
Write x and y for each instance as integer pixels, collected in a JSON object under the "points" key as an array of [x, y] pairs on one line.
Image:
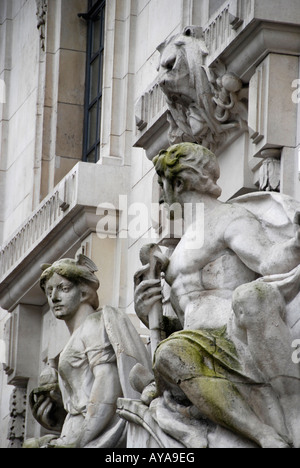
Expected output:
{"points": [[91, 152]]}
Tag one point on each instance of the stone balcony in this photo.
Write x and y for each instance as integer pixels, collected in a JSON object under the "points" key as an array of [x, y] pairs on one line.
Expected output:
{"points": [[56, 228]]}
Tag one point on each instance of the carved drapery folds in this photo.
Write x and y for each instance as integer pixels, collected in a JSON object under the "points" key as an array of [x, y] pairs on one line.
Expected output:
{"points": [[206, 105]]}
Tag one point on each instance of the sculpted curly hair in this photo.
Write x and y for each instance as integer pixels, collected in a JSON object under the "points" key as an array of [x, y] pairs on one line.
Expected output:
{"points": [[77, 274], [199, 161]]}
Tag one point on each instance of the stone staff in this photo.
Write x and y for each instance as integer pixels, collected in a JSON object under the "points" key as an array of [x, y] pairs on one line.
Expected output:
{"points": [[152, 255]]}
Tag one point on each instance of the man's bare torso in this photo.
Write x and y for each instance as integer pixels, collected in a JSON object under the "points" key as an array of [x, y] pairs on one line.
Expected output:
{"points": [[202, 280]]}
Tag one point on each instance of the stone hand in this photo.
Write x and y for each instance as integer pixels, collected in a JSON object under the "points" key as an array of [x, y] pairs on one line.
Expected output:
{"points": [[147, 293], [47, 408], [43, 442]]}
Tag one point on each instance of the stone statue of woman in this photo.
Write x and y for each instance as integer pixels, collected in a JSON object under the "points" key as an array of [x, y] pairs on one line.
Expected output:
{"points": [[94, 366]]}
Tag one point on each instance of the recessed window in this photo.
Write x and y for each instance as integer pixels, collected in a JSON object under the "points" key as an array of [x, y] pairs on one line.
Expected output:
{"points": [[94, 78]]}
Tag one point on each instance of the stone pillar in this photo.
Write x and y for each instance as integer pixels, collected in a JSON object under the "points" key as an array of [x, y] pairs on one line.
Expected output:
{"points": [[17, 412], [22, 362]]}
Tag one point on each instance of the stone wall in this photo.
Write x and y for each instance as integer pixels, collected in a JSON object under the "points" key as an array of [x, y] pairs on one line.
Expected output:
{"points": [[19, 70]]}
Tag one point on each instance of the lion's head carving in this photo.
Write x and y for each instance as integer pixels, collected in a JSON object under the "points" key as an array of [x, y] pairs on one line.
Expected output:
{"points": [[205, 104]]}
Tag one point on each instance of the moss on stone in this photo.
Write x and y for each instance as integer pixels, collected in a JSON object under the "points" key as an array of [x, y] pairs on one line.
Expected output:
{"points": [[71, 270], [187, 156], [207, 352]]}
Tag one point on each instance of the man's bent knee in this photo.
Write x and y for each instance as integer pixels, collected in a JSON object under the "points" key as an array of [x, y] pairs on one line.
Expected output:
{"points": [[175, 360], [165, 360]]}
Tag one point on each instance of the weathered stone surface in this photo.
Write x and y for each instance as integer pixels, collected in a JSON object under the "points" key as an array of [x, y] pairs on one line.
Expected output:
{"points": [[41, 223], [93, 368], [231, 363], [207, 105]]}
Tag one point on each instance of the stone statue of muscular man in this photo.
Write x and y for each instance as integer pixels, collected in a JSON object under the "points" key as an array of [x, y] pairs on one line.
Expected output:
{"points": [[231, 357]]}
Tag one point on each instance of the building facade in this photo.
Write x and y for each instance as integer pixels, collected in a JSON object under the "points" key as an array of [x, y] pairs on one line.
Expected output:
{"points": [[82, 114]]}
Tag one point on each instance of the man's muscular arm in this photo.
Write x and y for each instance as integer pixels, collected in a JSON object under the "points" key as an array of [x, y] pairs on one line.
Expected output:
{"points": [[246, 237]]}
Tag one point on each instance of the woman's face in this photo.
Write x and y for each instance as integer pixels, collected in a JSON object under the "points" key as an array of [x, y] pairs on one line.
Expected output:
{"points": [[64, 297]]}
